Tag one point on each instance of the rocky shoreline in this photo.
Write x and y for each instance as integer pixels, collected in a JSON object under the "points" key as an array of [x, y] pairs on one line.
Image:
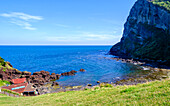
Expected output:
{"points": [[143, 62], [146, 74], [37, 79], [46, 83]]}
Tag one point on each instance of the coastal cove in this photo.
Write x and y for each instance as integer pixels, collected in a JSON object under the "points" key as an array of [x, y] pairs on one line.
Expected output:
{"points": [[95, 60], [79, 53], [60, 59]]}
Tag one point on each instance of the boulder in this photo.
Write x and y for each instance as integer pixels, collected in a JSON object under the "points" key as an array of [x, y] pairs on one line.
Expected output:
{"points": [[69, 73], [82, 70], [89, 85], [44, 72], [36, 73], [53, 74], [58, 76], [26, 73], [73, 71], [52, 77], [54, 84]]}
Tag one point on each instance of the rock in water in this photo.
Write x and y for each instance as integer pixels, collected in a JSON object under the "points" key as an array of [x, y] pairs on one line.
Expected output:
{"points": [[82, 70], [54, 84], [146, 33]]}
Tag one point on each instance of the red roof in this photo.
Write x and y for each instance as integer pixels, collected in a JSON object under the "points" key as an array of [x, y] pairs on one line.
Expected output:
{"points": [[18, 80], [16, 87]]}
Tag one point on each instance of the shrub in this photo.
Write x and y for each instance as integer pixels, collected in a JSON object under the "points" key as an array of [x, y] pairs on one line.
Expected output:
{"points": [[85, 88]]}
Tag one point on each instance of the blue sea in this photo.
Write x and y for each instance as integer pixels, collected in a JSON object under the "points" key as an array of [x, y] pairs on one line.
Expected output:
{"points": [[58, 59]]}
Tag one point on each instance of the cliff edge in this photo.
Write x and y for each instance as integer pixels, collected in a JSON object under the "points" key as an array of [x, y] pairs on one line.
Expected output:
{"points": [[146, 33]]}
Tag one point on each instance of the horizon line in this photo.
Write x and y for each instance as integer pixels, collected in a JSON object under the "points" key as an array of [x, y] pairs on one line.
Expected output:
{"points": [[56, 44]]}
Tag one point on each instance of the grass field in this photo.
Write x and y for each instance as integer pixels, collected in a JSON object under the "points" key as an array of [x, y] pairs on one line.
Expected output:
{"points": [[3, 83], [152, 93]]}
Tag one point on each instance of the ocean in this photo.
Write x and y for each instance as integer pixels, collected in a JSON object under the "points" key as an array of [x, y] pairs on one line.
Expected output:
{"points": [[58, 59]]}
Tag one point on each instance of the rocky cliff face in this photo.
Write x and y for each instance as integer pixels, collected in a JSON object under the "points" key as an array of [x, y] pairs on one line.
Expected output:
{"points": [[146, 33]]}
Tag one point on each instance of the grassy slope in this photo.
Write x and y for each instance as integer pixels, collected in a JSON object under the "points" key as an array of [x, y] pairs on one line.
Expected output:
{"points": [[3, 83], [153, 93]]}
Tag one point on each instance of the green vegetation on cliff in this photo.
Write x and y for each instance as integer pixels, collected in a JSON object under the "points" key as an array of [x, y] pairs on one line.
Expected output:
{"points": [[162, 3], [153, 93], [2, 62], [5, 65]]}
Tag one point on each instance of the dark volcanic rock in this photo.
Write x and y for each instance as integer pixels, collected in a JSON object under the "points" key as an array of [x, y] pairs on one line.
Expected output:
{"points": [[69, 73], [58, 76], [26, 73], [39, 78], [54, 84], [53, 74], [82, 70], [36, 73], [73, 71], [146, 34]]}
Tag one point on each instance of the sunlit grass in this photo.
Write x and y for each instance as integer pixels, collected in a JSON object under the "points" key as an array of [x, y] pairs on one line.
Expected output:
{"points": [[3, 83], [152, 93]]}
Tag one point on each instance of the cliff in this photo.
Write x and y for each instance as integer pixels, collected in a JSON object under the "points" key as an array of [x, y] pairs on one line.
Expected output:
{"points": [[146, 33]]}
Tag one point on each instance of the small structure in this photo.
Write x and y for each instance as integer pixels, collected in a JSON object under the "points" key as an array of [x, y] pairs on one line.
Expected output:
{"points": [[18, 80], [29, 90], [20, 87]]}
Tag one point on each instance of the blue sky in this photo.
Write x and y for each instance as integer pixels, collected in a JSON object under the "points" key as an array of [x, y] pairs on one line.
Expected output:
{"points": [[62, 22]]}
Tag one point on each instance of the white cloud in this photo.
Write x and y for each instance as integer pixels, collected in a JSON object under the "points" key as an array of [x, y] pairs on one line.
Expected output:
{"points": [[83, 37], [23, 24], [21, 16], [22, 19]]}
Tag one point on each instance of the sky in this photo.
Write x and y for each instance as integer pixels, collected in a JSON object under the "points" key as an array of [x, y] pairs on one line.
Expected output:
{"points": [[62, 22]]}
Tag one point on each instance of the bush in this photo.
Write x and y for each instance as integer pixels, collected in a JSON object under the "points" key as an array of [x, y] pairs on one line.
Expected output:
{"points": [[85, 88]]}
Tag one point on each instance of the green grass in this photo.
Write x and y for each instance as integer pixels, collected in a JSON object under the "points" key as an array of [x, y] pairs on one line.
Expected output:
{"points": [[2, 62], [9, 91], [150, 94], [162, 3], [3, 83]]}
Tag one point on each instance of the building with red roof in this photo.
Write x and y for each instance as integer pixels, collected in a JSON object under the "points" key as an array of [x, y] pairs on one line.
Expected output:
{"points": [[22, 88], [19, 80], [19, 88]]}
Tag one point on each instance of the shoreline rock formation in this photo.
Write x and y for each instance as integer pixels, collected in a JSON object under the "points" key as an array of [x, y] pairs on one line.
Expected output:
{"points": [[146, 35], [37, 78]]}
